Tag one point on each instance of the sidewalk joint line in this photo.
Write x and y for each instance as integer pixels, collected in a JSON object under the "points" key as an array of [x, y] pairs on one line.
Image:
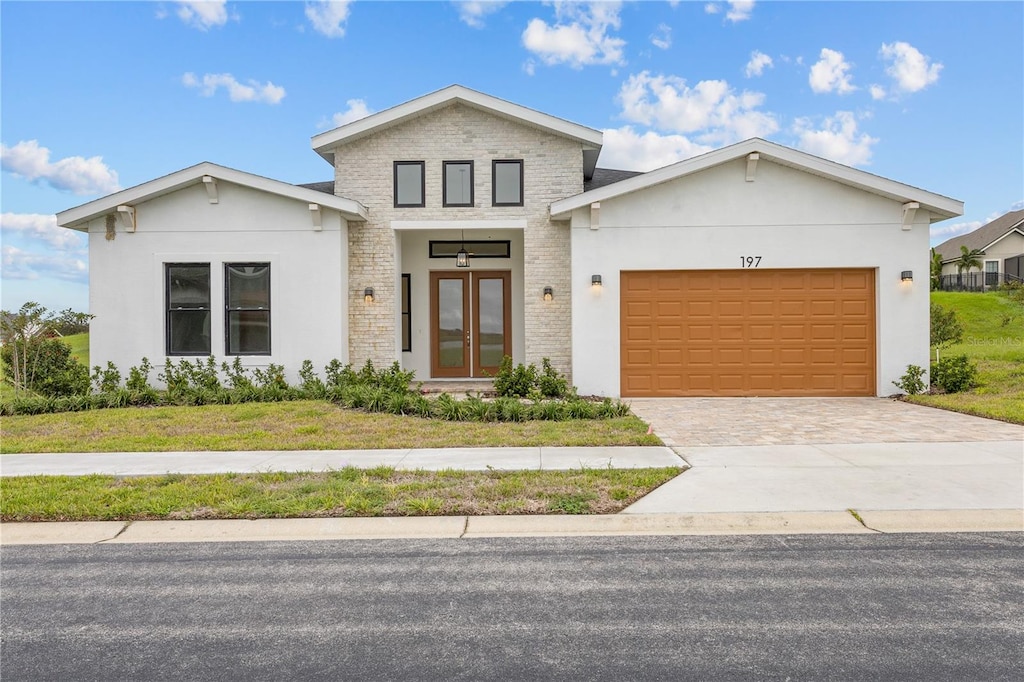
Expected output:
{"points": [[116, 536], [854, 514], [465, 529]]}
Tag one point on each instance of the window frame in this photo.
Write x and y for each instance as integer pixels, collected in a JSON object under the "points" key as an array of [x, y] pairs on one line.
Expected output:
{"points": [[406, 314], [444, 184], [168, 310], [423, 183], [494, 182], [228, 309]]}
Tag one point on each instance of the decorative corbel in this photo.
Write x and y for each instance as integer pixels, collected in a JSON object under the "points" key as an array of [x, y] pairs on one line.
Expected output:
{"points": [[595, 215], [126, 217], [317, 216], [909, 210], [211, 188], [752, 159]]}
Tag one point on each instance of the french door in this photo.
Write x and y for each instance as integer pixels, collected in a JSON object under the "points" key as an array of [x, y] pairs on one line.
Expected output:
{"points": [[470, 322]]}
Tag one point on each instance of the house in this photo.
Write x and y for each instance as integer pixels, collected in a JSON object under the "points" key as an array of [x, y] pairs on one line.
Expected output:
{"points": [[1001, 243], [460, 228]]}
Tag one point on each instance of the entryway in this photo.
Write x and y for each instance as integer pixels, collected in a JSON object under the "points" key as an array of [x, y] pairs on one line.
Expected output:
{"points": [[470, 322]]}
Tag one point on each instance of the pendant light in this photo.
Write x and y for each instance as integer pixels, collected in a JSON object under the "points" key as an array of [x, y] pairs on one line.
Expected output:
{"points": [[462, 257]]}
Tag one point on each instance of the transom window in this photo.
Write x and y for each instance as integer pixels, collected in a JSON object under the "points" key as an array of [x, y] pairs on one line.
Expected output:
{"points": [[188, 308], [458, 183], [487, 249], [410, 184], [507, 182], [247, 314]]}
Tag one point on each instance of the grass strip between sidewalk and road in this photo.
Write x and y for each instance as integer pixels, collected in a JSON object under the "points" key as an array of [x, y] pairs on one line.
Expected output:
{"points": [[348, 492], [298, 425]]}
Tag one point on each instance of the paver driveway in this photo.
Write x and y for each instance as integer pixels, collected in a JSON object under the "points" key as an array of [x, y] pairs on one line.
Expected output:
{"points": [[696, 422]]}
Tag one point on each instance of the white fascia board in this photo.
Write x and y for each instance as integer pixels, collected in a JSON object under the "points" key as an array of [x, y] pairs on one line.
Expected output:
{"points": [[324, 142], [1015, 229], [940, 207], [79, 216]]}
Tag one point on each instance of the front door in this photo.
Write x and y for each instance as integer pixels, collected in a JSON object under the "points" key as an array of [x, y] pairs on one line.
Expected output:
{"points": [[470, 323]]}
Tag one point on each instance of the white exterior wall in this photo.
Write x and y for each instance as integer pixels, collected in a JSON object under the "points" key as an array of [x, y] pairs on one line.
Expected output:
{"points": [[307, 277], [708, 220]]}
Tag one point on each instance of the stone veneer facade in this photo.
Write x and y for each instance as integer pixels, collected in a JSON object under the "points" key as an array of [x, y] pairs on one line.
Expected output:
{"points": [[552, 169]]}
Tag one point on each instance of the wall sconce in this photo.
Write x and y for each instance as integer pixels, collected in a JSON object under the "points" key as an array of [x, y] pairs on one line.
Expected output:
{"points": [[549, 293], [907, 276], [595, 281], [368, 294]]}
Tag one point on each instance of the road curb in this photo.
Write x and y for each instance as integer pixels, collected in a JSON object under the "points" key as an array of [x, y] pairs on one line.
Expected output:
{"points": [[455, 527]]}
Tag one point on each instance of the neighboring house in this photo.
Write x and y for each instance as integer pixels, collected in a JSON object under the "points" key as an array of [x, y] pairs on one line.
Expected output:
{"points": [[1002, 245], [751, 270]]}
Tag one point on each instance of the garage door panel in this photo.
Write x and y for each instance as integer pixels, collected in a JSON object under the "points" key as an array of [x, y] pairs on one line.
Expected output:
{"points": [[748, 332]]}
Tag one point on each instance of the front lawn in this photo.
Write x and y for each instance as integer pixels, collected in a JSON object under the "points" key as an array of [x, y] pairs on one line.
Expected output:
{"points": [[298, 425], [347, 492], [994, 339]]}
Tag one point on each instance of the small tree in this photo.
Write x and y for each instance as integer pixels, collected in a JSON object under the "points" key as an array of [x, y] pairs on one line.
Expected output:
{"points": [[936, 268], [70, 322], [20, 333], [968, 259], [945, 328]]}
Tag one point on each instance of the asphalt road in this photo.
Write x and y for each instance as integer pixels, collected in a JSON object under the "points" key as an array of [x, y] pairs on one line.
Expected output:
{"points": [[849, 607]]}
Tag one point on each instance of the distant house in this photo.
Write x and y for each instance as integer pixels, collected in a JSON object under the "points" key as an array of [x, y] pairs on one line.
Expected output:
{"points": [[1002, 243], [459, 228]]}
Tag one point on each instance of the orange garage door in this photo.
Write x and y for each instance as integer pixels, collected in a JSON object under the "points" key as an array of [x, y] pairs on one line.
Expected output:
{"points": [[748, 333]]}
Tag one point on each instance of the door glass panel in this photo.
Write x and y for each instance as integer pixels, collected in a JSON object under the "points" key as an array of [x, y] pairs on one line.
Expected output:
{"points": [[451, 333], [492, 322]]}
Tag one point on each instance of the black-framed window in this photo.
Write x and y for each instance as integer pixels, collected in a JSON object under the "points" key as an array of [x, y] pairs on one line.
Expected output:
{"points": [[458, 183], [507, 182], [487, 249], [410, 184], [406, 312], [187, 292], [247, 308]]}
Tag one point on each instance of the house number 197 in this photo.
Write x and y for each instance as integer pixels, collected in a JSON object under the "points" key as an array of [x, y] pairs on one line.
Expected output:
{"points": [[750, 261]]}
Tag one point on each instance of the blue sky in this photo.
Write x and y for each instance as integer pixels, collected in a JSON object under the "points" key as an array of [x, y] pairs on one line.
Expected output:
{"points": [[100, 96]]}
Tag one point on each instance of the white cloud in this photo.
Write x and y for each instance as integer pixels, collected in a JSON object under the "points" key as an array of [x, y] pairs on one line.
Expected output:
{"points": [[837, 139], [710, 108], [831, 73], [757, 64], [203, 14], [626, 149], [662, 38], [41, 227], [357, 109], [739, 10], [877, 92], [237, 92], [74, 173], [19, 264], [473, 12], [579, 37], [712, 8], [909, 69], [328, 16], [944, 232]]}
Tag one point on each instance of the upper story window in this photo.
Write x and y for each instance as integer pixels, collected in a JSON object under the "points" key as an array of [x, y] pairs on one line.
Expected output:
{"points": [[507, 182], [458, 183], [410, 184], [188, 308], [247, 314]]}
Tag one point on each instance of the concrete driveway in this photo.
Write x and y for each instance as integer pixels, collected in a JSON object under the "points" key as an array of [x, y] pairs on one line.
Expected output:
{"points": [[819, 454]]}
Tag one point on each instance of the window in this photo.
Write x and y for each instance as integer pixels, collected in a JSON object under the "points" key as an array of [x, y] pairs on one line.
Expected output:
{"points": [[410, 184], [406, 313], [458, 183], [507, 185], [247, 314], [991, 273], [188, 308], [488, 249]]}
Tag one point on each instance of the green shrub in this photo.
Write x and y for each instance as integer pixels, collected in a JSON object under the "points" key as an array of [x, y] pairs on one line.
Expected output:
{"points": [[550, 382], [105, 380], [954, 374], [945, 327], [912, 381], [514, 381], [138, 377], [50, 369]]}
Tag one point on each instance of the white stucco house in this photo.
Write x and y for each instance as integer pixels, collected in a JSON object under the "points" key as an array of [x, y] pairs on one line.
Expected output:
{"points": [[460, 227], [1001, 243]]}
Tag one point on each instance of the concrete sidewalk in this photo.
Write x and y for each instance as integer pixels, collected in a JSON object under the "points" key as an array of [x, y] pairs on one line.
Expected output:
{"points": [[439, 459]]}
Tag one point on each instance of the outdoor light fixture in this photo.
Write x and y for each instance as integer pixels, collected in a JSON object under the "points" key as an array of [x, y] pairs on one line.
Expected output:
{"points": [[595, 280], [368, 294], [549, 293], [907, 276], [462, 257]]}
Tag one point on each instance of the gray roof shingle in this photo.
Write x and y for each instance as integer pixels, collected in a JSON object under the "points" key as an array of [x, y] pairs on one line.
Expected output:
{"points": [[982, 237], [325, 187], [607, 176]]}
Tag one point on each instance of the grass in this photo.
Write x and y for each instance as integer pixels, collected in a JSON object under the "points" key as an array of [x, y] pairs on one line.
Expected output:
{"points": [[994, 339], [79, 347], [382, 491], [299, 425]]}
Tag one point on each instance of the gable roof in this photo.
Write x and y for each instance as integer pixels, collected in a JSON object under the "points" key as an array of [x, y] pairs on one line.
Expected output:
{"points": [[325, 143], [608, 176], [78, 217], [984, 237], [940, 207]]}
